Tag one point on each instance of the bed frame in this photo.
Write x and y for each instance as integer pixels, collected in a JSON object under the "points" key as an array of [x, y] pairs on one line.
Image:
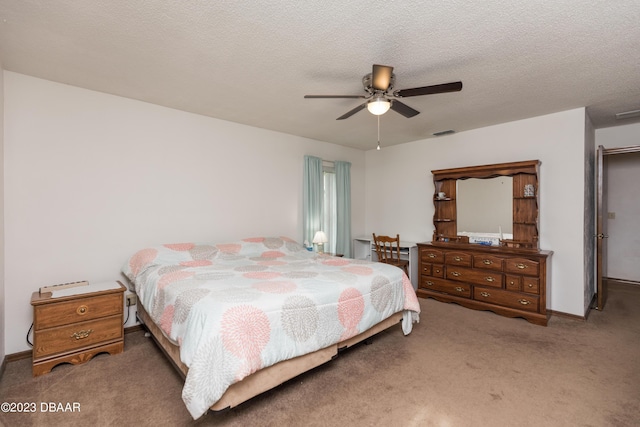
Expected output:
{"points": [[267, 378]]}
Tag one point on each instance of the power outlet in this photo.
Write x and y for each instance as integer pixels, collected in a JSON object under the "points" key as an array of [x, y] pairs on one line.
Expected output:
{"points": [[131, 300]]}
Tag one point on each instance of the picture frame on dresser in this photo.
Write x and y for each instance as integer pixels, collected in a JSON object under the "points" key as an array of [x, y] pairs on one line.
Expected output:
{"points": [[509, 278]]}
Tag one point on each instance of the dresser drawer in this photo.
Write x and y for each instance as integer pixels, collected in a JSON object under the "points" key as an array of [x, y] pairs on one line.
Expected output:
{"points": [[458, 258], [522, 266], [488, 262], [445, 286], [67, 338], [431, 255], [504, 298], [531, 285], [480, 277], [437, 271], [77, 310], [513, 282], [425, 269]]}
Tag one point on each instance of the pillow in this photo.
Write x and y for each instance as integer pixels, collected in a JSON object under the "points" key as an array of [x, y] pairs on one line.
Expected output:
{"points": [[256, 246]]}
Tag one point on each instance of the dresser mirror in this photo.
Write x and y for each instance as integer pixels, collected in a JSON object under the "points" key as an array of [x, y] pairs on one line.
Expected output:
{"points": [[476, 204], [485, 206]]}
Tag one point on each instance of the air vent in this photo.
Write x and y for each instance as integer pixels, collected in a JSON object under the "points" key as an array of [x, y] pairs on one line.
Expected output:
{"points": [[444, 132]]}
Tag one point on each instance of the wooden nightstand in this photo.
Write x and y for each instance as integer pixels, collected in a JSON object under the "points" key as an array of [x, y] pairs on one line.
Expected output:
{"points": [[73, 329]]}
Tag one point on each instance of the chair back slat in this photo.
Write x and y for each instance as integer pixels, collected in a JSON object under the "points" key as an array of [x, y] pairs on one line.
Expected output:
{"points": [[387, 248]]}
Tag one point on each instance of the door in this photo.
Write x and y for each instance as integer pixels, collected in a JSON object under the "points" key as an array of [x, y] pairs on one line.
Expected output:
{"points": [[601, 225]]}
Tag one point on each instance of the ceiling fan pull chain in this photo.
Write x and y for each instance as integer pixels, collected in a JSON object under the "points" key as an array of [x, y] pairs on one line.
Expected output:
{"points": [[378, 134]]}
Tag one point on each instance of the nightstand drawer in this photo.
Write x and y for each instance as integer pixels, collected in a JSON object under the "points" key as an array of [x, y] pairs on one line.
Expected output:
{"points": [[78, 335], [78, 310]]}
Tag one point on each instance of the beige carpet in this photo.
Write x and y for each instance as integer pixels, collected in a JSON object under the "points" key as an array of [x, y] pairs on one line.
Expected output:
{"points": [[459, 367]]}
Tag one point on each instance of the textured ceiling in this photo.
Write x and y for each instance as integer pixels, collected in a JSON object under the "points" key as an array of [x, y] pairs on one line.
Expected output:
{"points": [[252, 61]]}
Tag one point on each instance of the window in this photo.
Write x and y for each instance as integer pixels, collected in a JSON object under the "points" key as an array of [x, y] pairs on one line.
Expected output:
{"points": [[326, 203], [329, 214]]}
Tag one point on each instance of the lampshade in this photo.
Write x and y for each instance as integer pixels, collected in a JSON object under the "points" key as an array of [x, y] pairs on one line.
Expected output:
{"points": [[320, 237], [378, 106]]}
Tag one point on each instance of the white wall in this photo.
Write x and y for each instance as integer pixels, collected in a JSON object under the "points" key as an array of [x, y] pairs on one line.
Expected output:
{"points": [[90, 178], [557, 140], [2, 299], [618, 136]]}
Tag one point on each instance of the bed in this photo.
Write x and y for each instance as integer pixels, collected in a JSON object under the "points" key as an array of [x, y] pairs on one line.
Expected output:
{"points": [[239, 318]]}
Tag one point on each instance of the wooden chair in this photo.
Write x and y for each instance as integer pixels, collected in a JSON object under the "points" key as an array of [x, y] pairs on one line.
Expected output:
{"points": [[388, 250]]}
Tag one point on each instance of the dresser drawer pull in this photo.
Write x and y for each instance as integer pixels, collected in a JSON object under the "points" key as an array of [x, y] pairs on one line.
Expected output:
{"points": [[82, 334], [487, 262], [431, 255], [524, 302], [485, 294], [429, 283], [459, 289], [455, 274], [457, 258], [489, 279], [438, 270], [530, 285], [82, 310], [521, 266]]}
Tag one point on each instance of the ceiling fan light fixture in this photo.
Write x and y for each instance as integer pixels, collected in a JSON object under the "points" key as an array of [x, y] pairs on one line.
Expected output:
{"points": [[378, 106]]}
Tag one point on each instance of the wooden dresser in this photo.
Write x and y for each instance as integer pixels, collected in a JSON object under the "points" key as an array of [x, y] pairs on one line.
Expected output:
{"points": [[75, 328], [507, 281]]}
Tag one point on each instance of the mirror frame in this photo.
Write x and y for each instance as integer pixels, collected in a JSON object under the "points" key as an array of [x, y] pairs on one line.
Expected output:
{"points": [[525, 206]]}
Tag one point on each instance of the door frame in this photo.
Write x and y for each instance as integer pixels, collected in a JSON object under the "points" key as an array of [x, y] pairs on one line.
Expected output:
{"points": [[601, 286]]}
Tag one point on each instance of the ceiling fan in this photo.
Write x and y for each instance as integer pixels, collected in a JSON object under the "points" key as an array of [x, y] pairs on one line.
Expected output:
{"points": [[381, 95]]}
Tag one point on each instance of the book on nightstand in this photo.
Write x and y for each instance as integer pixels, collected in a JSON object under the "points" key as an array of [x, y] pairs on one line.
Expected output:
{"points": [[62, 286]]}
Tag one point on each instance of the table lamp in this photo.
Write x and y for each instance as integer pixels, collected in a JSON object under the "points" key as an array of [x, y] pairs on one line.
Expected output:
{"points": [[320, 239]]}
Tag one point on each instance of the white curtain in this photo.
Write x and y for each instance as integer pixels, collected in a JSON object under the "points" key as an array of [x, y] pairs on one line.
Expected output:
{"points": [[312, 197], [329, 217]]}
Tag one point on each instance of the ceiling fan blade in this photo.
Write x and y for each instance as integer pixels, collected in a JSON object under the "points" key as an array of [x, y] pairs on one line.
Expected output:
{"points": [[352, 112], [381, 77], [430, 90], [403, 109], [334, 96]]}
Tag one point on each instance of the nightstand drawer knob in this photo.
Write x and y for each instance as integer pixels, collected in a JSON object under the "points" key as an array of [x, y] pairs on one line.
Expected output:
{"points": [[81, 334], [82, 310]]}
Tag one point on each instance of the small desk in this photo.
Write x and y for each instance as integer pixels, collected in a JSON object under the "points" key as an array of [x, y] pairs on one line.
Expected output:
{"points": [[364, 248]]}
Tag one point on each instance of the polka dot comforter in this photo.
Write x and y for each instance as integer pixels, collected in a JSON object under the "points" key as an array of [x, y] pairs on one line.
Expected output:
{"points": [[238, 307]]}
